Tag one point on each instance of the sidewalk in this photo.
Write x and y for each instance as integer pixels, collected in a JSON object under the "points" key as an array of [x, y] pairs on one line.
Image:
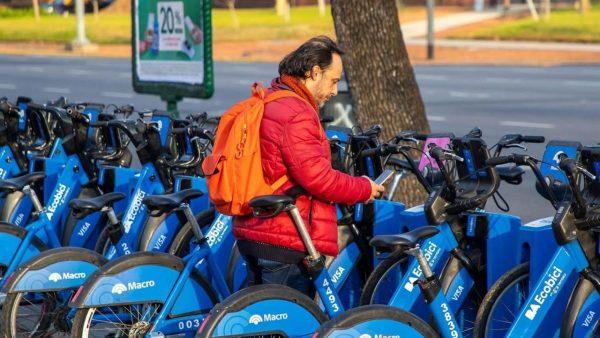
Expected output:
{"points": [[514, 45], [419, 28]]}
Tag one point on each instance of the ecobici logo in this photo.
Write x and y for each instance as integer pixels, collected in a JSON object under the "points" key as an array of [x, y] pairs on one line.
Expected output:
{"points": [[136, 205], [217, 231], [551, 286], [267, 317], [55, 276], [58, 198], [431, 254], [119, 288]]}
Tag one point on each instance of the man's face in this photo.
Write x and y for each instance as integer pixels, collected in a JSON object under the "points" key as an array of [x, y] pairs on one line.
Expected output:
{"points": [[326, 81]]}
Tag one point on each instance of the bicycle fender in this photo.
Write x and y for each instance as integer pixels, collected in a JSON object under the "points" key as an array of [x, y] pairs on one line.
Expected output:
{"points": [[55, 269], [141, 277]]}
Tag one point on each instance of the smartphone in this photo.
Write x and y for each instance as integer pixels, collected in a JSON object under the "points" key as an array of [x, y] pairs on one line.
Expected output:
{"points": [[384, 177]]}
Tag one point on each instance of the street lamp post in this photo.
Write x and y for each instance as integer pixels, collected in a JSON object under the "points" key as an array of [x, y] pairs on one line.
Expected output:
{"points": [[81, 40], [430, 4]]}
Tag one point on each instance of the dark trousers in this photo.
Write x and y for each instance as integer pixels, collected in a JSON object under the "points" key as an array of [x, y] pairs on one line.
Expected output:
{"points": [[264, 271]]}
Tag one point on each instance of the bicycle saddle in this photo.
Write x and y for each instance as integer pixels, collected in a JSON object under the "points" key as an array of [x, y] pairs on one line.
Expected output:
{"points": [[268, 206], [387, 243], [18, 183], [84, 207], [270, 201], [159, 204]]}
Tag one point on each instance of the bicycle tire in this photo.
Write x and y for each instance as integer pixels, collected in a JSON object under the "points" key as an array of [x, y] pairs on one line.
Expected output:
{"points": [[494, 295], [363, 314]]}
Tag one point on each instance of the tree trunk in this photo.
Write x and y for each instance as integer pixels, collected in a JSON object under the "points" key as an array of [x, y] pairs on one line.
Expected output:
{"points": [[379, 74]]}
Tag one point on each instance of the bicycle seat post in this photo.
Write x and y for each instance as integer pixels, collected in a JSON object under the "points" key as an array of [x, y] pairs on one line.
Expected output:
{"points": [[310, 247], [34, 199], [115, 231], [189, 215], [416, 252]]}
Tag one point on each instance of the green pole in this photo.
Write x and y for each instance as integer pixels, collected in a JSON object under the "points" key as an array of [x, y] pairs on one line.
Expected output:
{"points": [[172, 104]]}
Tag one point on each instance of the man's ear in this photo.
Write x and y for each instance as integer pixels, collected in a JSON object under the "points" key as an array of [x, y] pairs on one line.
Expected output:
{"points": [[315, 71]]}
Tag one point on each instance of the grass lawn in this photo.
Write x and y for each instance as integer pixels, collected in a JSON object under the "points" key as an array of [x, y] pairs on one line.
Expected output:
{"points": [[114, 28], [563, 26]]}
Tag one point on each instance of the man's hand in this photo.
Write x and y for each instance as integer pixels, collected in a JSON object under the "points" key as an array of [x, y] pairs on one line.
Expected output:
{"points": [[376, 190]]}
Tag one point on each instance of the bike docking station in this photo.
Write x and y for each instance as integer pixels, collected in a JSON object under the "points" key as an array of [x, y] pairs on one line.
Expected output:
{"points": [[172, 50]]}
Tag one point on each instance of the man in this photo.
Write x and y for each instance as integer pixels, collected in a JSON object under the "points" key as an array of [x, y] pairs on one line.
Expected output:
{"points": [[293, 143]]}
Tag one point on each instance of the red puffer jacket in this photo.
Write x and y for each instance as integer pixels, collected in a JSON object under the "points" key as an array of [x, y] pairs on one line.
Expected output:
{"points": [[294, 143]]}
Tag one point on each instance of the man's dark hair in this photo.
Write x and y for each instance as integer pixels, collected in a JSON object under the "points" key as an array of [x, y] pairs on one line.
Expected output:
{"points": [[317, 51]]}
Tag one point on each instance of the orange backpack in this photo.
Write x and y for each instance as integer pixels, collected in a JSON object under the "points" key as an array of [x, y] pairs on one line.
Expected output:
{"points": [[234, 170]]}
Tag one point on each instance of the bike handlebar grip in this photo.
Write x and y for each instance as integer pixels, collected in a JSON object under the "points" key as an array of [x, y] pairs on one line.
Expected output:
{"points": [[370, 152], [494, 161], [462, 206], [420, 137], [179, 130], [568, 165], [533, 139], [437, 153], [588, 223]]}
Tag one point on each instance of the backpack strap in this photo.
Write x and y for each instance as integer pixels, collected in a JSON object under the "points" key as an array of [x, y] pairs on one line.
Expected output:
{"points": [[278, 94], [258, 90], [280, 182]]}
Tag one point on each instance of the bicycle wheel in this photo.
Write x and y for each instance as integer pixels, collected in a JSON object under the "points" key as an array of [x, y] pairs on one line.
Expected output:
{"points": [[502, 303], [266, 311], [36, 314], [132, 320], [376, 321], [381, 284]]}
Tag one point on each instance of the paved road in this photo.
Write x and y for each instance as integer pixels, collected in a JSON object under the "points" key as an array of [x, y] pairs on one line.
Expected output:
{"points": [[557, 102]]}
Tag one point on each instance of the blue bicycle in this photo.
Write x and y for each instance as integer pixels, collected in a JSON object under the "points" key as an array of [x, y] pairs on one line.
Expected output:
{"points": [[563, 299], [75, 170], [381, 320], [51, 278]]}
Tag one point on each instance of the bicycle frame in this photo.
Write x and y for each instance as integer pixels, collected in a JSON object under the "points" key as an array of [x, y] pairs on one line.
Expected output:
{"points": [[567, 260], [183, 304], [45, 228]]}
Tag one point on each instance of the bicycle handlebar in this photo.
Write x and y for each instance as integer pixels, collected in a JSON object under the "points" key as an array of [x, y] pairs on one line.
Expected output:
{"points": [[383, 150], [533, 139], [513, 139], [462, 206], [588, 223], [517, 159]]}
